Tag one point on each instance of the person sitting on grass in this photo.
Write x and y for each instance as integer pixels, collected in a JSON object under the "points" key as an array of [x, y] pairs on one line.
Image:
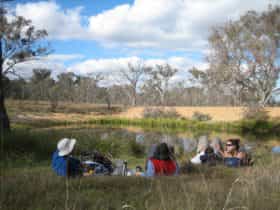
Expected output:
{"points": [[213, 153], [63, 163], [151, 154], [202, 145], [232, 156], [161, 164], [217, 146]]}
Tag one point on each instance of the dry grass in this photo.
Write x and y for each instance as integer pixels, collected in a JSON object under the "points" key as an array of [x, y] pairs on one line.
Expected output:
{"points": [[28, 110], [226, 114]]}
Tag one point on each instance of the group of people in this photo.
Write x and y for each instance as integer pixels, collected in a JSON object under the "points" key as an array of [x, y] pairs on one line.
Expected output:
{"points": [[213, 153], [160, 161]]}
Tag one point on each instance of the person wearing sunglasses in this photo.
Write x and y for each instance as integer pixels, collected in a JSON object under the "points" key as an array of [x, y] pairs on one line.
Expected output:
{"points": [[232, 156]]}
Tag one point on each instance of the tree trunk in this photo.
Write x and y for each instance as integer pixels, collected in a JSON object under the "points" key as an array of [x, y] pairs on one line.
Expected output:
{"points": [[134, 102], [4, 119]]}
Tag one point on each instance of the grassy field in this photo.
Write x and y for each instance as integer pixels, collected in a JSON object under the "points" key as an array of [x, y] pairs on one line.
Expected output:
{"points": [[212, 188], [27, 181]]}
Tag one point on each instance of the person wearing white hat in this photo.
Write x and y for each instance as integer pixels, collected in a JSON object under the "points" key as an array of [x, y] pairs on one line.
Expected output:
{"points": [[62, 163]]}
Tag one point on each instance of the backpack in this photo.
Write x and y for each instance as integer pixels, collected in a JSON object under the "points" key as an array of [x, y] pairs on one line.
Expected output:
{"points": [[98, 158]]}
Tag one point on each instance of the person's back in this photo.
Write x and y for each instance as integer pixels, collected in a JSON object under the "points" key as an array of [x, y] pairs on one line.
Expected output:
{"points": [[161, 164], [62, 163], [164, 167], [59, 164]]}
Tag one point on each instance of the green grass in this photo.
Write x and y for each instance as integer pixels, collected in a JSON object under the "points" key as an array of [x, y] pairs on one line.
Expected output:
{"points": [[262, 129], [27, 181], [245, 127], [29, 147], [212, 188]]}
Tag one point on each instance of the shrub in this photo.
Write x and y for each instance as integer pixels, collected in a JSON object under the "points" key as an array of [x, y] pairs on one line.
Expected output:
{"points": [[136, 149], [160, 113], [201, 117], [255, 113]]}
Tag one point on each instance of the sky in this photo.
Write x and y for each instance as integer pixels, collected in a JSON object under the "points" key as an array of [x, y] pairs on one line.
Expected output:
{"points": [[91, 36]]}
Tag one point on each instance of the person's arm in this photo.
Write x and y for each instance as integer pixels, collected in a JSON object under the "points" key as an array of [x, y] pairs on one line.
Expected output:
{"points": [[241, 155], [243, 158], [150, 169], [196, 159], [177, 169]]}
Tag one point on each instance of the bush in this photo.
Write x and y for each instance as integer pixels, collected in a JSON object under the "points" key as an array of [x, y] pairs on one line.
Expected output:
{"points": [[255, 113], [201, 117], [160, 113], [136, 149]]}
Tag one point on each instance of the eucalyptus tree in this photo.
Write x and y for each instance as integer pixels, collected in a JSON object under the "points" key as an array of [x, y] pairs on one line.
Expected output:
{"points": [[159, 80], [244, 54], [19, 42], [133, 75], [41, 83]]}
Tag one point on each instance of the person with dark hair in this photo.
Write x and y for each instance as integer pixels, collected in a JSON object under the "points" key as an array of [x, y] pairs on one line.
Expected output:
{"points": [[161, 164], [213, 154], [232, 156]]}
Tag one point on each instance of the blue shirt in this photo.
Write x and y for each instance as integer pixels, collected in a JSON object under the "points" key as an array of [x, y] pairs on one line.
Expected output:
{"points": [[232, 161], [65, 165]]}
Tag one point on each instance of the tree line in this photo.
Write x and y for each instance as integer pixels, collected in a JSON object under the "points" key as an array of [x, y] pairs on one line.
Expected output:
{"points": [[243, 69], [137, 86]]}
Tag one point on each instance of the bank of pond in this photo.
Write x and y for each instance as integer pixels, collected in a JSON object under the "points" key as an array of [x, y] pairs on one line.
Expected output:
{"points": [[33, 146]]}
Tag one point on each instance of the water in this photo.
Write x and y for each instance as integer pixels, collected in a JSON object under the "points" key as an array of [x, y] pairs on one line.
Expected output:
{"points": [[133, 141]]}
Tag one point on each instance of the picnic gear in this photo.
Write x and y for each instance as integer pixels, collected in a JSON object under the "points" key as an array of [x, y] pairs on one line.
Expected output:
{"points": [[99, 158], [95, 168]]}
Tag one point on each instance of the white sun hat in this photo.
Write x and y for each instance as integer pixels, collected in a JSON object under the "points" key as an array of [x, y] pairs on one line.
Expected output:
{"points": [[65, 146]]}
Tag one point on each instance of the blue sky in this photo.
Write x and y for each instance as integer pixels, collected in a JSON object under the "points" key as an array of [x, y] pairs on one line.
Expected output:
{"points": [[90, 36]]}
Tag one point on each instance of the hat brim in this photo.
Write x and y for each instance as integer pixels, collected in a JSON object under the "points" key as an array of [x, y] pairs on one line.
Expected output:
{"points": [[68, 150]]}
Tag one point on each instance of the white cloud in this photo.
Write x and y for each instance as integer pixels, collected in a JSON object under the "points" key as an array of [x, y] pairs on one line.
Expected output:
{"points": [[59, 23], [64, 57], [25, 69], [108, 67], [111, 67], [176, 24], [53, 62]]}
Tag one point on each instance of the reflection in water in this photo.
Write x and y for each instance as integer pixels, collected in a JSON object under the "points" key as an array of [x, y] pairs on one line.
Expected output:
{"points": [[180, 142], [119, 138], [140, 138], [189, 145]]}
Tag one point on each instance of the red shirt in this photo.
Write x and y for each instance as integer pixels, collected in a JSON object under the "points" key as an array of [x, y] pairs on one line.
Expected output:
{"points": [[164, 167]]}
